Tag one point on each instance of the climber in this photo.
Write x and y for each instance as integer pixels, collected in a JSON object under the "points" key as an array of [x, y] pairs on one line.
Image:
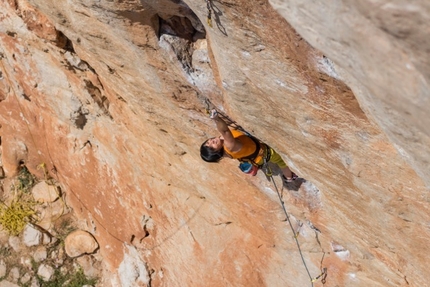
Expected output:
{"points": [[247, 149]]}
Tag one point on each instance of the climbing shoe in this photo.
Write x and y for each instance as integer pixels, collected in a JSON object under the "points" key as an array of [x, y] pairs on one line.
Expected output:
{"points": [[288, 180]]}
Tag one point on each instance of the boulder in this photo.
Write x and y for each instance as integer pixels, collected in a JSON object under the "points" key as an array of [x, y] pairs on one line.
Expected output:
{"points": [[48, 213], [89, 266], [25, 278], [15, 243], [58, 256], [5, 283], [31, 236], [14, 274], [3, 268], [44, 192], [47, 239], [26, 261], [40, 254], [45, 272], [35, 282], [80, 242], [4, 236]]}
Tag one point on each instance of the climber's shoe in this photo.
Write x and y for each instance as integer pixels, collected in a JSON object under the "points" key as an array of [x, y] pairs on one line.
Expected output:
{"points": [[289, 180]]}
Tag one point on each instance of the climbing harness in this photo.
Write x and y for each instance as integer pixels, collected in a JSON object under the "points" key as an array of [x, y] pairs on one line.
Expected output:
{"points": [[268, 172]]}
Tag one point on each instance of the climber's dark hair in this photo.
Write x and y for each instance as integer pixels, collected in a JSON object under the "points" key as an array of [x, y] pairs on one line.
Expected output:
{"points": [[208, 154]]}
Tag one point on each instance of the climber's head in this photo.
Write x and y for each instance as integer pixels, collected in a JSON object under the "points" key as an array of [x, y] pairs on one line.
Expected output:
{"points": [[212, 149]]}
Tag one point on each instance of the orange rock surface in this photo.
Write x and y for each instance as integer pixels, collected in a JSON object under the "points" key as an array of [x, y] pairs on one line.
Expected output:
{"points": [[110, 96]]}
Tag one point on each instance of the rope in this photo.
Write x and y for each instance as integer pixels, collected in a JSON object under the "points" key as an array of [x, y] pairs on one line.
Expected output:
{"points": [[292, 228], [269, 173]]}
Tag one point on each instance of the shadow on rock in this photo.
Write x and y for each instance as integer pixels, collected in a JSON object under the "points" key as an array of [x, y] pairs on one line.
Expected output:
{"points": [[274, 170], [295, 185]]}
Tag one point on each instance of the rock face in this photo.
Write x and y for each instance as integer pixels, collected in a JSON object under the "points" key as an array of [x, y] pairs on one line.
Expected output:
{"points": [[383, 50], [110, 96]]}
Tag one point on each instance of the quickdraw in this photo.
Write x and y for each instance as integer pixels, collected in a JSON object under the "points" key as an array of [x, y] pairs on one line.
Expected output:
{"points": [[323, 276], [209, 17]]}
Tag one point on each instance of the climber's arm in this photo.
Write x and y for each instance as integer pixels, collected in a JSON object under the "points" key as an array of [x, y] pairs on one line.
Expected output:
{"points": [[229, 141]]}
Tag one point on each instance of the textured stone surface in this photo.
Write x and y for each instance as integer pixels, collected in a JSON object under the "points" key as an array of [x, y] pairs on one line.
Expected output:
{"points": [[13, 275], [49, 212], [5, 283], [383, 50], [3, 268], [79, 242], [15, 243], [89, 266], [4, 237], [13, 153], [133, 269], [44, 192], [45, 272], [25, 278], [109, 96], [31, 236], [35, 282], [40, 254]]}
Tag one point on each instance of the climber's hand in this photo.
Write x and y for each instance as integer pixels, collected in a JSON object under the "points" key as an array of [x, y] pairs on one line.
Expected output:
{"points": [[213, 114]]}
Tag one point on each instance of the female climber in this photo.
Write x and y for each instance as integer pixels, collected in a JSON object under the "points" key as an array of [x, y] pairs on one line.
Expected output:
{"points": [[237, 145]]}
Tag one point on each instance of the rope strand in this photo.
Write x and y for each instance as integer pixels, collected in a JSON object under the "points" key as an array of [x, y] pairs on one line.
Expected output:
{"points": [[292, 229], [269, 173]]}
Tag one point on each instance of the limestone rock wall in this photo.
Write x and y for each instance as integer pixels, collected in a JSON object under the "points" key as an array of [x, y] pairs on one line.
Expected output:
{"points": [[109, 95], [383, 49]]}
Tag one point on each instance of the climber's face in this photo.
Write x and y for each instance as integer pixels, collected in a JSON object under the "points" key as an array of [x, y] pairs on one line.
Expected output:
{"points": [[215, 143]]}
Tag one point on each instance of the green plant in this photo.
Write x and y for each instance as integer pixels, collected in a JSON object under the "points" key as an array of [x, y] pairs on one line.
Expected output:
{"points": [[34, 264], [66, 226], [62, 228], [74, 279], [5, 251], [79, 279], [17, 214], [25, 180], [21, 210]]}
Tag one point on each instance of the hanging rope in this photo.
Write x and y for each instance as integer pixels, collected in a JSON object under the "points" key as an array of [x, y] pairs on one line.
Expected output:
{"points": [[269, 173], [267, 167]]}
